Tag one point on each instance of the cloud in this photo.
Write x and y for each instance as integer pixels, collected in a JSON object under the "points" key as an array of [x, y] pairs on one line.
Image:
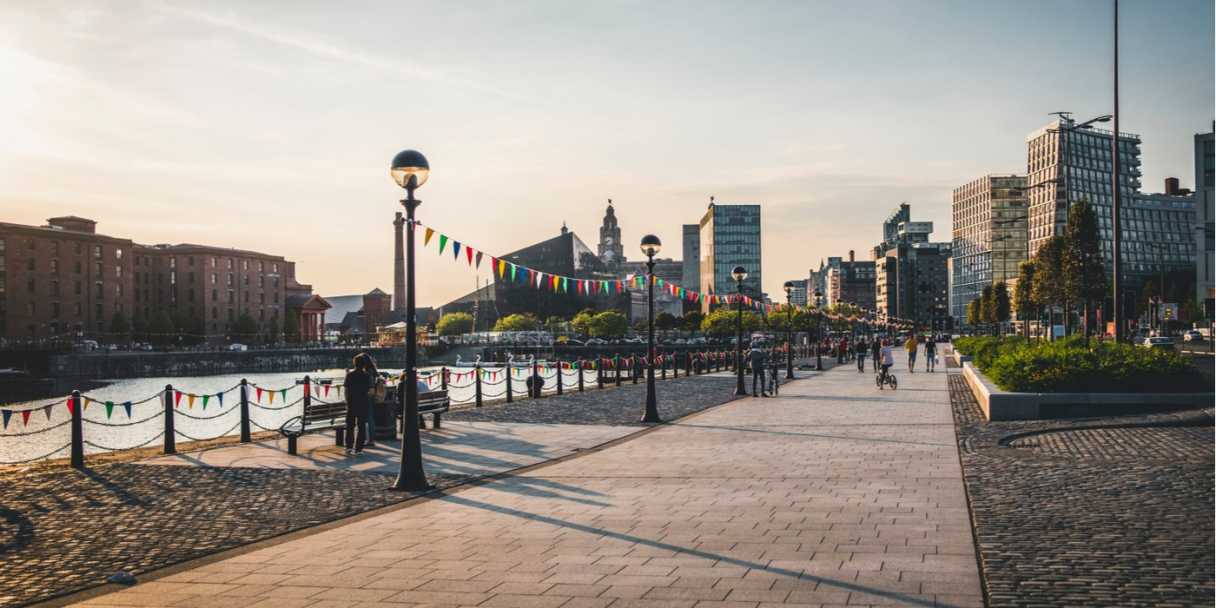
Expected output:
{"points": [[310, 43]]}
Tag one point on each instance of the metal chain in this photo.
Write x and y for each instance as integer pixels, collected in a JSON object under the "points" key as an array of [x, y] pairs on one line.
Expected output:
{"points": [[132, 423], [224, 434], [39, 431], [134, 447], [285, 406], [185, 415], [254, 423]]}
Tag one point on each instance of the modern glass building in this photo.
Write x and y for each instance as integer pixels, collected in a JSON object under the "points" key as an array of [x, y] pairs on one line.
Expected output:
{"points": [[691, 275], [989, 240], [1205, 215], [730, 236]]}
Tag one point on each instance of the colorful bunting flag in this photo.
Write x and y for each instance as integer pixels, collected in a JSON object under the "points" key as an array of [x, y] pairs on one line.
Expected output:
{"points": [[426, 239], [177, 398], [190, 401], [109, 409], [455, 250], [126, 405], [6, 414], [443, 241], [206, 398], [47, 410]]}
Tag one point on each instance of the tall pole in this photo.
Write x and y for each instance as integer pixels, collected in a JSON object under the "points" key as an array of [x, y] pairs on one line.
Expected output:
{"points": [[411, 477], [740, 390], [789, 343], [1117, 310], [652, 408]]}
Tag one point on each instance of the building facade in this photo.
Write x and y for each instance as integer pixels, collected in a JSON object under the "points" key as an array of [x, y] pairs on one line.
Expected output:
{"points": [[851, 282], [691, 271], [911, 280], [797, 294], [1205, 243], [989, 217], [730, 237]]}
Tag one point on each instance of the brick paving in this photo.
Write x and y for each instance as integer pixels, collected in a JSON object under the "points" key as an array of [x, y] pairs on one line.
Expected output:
{"points": [[832, 494], [1085, 513]]}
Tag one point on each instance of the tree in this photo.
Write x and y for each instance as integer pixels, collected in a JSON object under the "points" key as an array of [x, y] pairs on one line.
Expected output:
{"points": [[1000, 304], [120, 327], [454, 323], [161, 329], [139, 327], [245, 328], [692, 320], [582, 321], [665, 321], [1049, 261], [609, 324], [190, 330], [291, 326], [987, 307], [721, 323], [517, 322], [1084, 275], [973, 312], [1023, 296], [556, 325]]}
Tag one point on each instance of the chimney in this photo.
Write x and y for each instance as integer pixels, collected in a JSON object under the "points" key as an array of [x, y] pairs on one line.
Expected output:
{"points": [[1171, 186], [399, 265], [850, 255]]}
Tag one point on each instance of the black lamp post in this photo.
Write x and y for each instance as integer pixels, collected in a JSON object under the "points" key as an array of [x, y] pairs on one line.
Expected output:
{"points": [[739, 273], [650, 247], [818, 329], [410, 170], [789, 328]]}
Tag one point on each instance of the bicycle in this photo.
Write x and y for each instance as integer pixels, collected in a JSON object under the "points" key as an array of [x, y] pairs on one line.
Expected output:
{"points": [[886, 378]]}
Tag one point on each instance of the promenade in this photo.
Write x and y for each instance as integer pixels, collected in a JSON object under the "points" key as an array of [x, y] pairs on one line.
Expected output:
{"points": [[833, 493]]}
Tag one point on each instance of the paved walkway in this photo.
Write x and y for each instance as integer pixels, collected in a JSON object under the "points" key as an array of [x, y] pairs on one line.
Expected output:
{"points": [[833, 494]]}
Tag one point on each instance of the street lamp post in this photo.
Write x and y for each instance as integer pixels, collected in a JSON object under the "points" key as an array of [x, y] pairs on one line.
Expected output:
{"points": [[410, 170], [739, 273], [650, 247], [789, 327], [818, 329]]}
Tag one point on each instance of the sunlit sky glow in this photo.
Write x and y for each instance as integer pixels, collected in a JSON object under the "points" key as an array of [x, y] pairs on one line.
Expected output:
{"points": [[270, 126]]}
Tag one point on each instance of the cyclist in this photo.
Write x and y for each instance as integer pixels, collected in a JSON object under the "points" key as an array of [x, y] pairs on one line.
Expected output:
{"points": [[930, 354], [888, 359]]}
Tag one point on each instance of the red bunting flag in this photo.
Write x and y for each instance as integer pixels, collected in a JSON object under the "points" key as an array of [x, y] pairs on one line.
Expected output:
{"points": [[468, 252], [25, 417], [177, 398]]}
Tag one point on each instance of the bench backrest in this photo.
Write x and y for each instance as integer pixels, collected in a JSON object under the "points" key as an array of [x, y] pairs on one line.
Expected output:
{"points": [[324, 413]]}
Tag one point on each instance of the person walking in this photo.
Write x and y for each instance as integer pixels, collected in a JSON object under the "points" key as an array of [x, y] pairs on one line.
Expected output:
{"points": [[910, 346], [875, 351], [378, 384], [358, 383], [930, 354], [756, 358], [860, 348]]}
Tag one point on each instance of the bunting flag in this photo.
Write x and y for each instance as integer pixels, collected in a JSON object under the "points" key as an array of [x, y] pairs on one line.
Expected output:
{"points": [[109, 409], [126, 405], [6, 414], [326, 390], [206, 398], [271, 395], [468, 253], [478, 263], [220, 398], [284, 393], [177, 398], [259, 395], [71, 406], [190, 401], [426, 239], [455, 250], [47, 410], [443, 241]]}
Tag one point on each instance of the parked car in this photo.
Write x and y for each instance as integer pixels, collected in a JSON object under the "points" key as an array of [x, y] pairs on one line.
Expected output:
{"points": [[1158, 342], [1192, 335], [237, 347]]}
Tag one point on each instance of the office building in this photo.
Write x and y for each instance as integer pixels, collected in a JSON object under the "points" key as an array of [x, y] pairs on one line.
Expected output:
{"points": [[730, 237], [910, 272], [797, 294], [989, 242], [851, 282], [1205, 178], [691, 272]]}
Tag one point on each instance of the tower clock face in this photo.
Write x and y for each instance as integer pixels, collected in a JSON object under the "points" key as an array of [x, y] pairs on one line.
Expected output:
{"points": [[608, 241]]}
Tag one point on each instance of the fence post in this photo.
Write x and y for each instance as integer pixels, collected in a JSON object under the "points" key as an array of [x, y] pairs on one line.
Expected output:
{"points": [[687, 364], [558, 376], [244, 411], [170, 433], [580, 374], [599, 371], [508, 372], [633, 368], [77, 431], [443, 377], [535, 391], [616, 368], [477, 384]]}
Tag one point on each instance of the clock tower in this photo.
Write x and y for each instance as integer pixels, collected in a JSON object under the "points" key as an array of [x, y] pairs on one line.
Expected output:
{"points": [[611, 252]]}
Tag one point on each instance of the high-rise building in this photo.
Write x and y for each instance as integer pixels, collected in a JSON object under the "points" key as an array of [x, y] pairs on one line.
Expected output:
{"points": [[610, 251], [691, 275], [1205, 179], [910, 275], [730, 236], [797, 295], [989, 220], [851, 282]]}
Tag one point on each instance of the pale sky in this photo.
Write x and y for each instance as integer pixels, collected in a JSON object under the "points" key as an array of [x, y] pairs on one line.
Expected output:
{"points": [[270, 125]]}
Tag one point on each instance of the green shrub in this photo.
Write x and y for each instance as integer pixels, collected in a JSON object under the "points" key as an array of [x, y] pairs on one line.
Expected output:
{"points": [[1073, 366], [984, 349]]}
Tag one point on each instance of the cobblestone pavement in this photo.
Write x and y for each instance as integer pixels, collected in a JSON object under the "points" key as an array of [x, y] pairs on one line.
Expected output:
{"points": [[1067, 514], [832, 494], [621, 405]]}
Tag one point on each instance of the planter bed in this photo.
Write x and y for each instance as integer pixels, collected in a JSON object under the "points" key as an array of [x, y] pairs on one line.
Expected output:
{"points": [[998, 404]]}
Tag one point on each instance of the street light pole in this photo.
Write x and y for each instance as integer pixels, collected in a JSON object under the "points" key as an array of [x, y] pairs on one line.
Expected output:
{"points": [[818, 329], [410, 170], [739, 273], [650, 246], [1117, 310], [789, 327]]}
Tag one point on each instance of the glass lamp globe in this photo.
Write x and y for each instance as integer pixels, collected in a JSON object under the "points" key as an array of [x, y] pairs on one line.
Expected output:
{"points": [[409, 163], [651, 245], [740, 273]]}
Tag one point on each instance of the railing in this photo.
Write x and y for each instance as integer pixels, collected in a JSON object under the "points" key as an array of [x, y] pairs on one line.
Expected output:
{"points": [[195, 411]]}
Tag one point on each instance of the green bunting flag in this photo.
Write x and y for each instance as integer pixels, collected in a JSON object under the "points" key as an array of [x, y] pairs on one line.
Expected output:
{"points": [[109, 409], [443, 241], [206, 398], [284, 393]]}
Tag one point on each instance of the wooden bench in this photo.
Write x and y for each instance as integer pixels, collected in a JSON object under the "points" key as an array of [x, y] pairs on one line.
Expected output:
{"points": [[317, 416], [433, 402]]}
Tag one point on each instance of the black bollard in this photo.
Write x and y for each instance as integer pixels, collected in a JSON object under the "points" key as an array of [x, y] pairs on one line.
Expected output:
{"points": [[170, 434], [558, 376], [477, 384], [580, 374], [616, 368], [510, 398], [244, 391], [77, 431]]}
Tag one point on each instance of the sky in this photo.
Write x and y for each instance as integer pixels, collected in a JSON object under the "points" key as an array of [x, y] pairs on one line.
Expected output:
{"points": [[270, 126]]}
